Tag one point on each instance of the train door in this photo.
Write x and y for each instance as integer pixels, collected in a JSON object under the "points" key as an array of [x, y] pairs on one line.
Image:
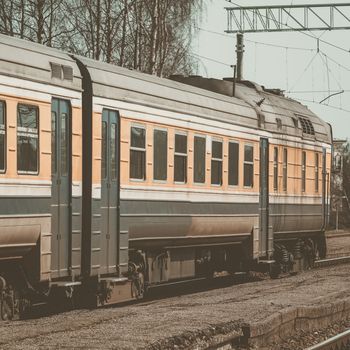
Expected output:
{"points": [[110, 191], [61, 186], [264, 198]]}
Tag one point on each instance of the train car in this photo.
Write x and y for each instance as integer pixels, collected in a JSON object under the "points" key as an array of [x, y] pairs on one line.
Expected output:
{"points": [[115, 181], [207, 181], [40, 172]]}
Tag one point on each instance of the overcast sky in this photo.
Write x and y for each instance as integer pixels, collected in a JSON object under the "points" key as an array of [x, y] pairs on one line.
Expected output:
{"points": [[288, 69]]}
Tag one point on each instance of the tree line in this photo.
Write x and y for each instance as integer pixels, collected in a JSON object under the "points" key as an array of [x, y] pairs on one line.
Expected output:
{"points": [[152, 36]]}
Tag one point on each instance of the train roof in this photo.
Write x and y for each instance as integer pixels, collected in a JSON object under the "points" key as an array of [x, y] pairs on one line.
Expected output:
{"points": [[252, 106], [27, 60]]}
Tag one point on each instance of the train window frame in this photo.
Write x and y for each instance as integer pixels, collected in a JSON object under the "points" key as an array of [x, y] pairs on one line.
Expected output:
{"points": [[23, 131], [275, 168], [138, 149], [285, 169], [317, 172], [184, 157], [158, 129], [217, 160], [104, 150], [248, 163], [3, 131], [203, 137], [303, 171], [235, 142]]}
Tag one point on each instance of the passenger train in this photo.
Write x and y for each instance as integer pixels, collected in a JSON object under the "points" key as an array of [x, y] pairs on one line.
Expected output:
{"points": [[113, 181]]}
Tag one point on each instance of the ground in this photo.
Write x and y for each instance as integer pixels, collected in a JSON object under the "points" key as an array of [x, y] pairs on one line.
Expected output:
{"points": [[182, 313], [140, 325]]}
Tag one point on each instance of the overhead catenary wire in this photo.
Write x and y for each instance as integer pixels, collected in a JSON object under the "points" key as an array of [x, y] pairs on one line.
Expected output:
{"points": [[305, 70], [210, 59], [276, 45], [322, 104], [228, 36], [313, 91]]}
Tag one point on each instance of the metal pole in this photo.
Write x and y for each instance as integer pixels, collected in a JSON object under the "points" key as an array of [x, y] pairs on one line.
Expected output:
{"points": [[240, 51], [234, 80]]}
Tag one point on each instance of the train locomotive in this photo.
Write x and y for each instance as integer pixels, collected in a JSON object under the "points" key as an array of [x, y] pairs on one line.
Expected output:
{"points": [[113, 181]]}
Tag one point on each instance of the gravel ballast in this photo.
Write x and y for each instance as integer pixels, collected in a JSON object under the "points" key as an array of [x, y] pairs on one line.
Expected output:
{"points": [[188, 318]]}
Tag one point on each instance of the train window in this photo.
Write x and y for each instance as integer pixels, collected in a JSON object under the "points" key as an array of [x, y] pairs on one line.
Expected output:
{"points": [[248, 166], [2, 136], [303, 172], [216, 162], [113, 150], [180, 158], [199, 159], [138, 153], [27, 139], [104, 151], [285, 169], [233, 166], [317, 174], [63, 141], [275, 168], [160, 154]]}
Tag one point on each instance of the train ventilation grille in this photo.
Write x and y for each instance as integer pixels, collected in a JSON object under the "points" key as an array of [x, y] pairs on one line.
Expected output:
{"points": [[56, 71], [67, 73], [307, 126], [61, 72]]}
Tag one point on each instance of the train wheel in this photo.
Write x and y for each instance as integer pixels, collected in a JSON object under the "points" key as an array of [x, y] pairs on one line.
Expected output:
{"points": [[7, 307], [138, 286], [275, 270]]}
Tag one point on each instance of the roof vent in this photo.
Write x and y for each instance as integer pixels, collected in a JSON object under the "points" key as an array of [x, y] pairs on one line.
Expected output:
{"points": [[56, 70], [295, 122], [67, 73], [61, 72], [279, 123], [261, 120], [307, 126]]}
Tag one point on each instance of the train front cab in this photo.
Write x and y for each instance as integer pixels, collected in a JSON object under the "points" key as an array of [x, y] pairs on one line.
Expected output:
{"points": [[298, 188]]}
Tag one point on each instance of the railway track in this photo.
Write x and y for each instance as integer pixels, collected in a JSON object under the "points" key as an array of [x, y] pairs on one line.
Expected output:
{"points": [[332, 261], [195, 285], [339, 342]]}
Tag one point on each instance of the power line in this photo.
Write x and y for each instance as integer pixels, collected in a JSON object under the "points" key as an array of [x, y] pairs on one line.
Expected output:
{"points": [[256, 42], [275, 45], [334, 61], [211, 59], [305, 70], [322, 104], [302, 32], [313, 91]]}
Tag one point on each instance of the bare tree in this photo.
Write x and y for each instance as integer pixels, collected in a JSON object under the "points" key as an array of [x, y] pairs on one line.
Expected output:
{"points": [[153, 36]]}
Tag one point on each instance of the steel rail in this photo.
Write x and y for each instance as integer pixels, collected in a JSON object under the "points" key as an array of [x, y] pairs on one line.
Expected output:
{"points": [[339, 342], [332, 261]]}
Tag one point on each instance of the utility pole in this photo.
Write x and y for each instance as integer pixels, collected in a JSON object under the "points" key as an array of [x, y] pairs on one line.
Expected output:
{"points": [[239, 52]]}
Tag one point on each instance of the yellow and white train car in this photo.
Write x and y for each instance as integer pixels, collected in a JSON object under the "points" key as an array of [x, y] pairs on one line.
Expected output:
{"points": [[113, 180]]}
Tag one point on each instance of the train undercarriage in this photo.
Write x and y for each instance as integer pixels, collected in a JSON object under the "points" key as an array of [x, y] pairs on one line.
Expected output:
{"points": [[150, 268]]}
